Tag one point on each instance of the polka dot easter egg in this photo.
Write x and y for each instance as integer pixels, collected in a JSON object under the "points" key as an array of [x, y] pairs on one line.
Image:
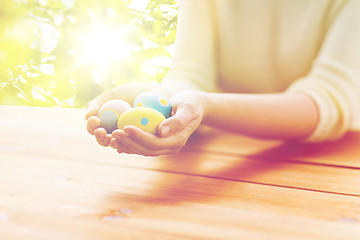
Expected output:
{"points": [[110, 112], [147, 119], [154, 100]]}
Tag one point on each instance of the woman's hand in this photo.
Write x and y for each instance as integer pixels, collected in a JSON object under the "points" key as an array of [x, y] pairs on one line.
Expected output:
{"points": [[187, 112], [126, 92]]}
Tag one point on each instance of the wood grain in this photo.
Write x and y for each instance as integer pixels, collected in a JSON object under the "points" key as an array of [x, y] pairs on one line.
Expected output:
{"points": [[343, 152], [57, 183]]}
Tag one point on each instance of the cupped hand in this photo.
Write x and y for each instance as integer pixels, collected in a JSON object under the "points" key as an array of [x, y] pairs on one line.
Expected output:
{"points": [[173, 133], [126, 92]]}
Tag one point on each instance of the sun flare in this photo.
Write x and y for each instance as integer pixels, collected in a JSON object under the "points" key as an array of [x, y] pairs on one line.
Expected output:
{"points": [[103, 46]]}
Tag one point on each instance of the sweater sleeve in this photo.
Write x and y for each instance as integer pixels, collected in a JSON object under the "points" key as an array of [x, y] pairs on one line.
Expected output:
{"points": [[193, 66], [334, 80]]}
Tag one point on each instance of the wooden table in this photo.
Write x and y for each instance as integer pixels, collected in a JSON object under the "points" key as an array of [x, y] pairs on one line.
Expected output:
{"points": [[57, 183]]}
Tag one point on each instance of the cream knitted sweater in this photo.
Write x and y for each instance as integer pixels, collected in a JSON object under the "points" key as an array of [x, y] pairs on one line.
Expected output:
{"points": [[263, 46]]}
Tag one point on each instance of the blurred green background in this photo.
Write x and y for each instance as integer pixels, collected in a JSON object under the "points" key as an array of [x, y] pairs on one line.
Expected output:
{"points": [[66, 52]]}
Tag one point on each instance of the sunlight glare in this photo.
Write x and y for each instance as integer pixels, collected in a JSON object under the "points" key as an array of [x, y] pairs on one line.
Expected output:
{"points": [[103, 46]]}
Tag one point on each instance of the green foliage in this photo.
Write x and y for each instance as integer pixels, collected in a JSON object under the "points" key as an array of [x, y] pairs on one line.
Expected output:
{"points": [[51, 56]]}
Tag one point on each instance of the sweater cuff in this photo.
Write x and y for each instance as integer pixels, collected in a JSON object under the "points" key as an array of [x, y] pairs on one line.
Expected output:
{"points": [[328, 114]]}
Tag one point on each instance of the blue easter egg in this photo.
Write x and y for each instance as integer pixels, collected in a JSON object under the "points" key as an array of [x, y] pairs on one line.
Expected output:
{"points": [[155, 101], [108, 120], [110, 112]]}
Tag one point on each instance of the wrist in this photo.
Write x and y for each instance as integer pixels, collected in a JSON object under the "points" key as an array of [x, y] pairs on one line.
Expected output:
{"points": [[202, 101], [205, 101]]}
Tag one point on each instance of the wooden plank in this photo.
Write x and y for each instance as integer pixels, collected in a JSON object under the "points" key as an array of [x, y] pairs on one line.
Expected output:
{"points": [[38, 199], [252, 226], [84, 185], [35, 225], [344, 152], [259, 170]]}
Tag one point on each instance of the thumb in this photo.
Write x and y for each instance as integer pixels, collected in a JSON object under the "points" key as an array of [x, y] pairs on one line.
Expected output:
{"points": [[92, 109], [182, 117]]}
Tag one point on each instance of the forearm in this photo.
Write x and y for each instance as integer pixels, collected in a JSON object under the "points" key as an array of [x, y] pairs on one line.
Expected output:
{"points": [[287, 116]]}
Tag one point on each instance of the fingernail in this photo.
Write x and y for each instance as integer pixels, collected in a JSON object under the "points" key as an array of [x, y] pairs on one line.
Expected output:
{"points": [[165, 131]]}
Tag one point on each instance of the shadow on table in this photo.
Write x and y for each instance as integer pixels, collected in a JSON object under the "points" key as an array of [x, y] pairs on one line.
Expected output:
{"points": [[344, 152], [197, 175]]}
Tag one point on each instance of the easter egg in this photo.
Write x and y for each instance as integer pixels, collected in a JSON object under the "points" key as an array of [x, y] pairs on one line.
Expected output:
{"points": [[110, 112], [147, 119], [154, 100], [108, 120]]}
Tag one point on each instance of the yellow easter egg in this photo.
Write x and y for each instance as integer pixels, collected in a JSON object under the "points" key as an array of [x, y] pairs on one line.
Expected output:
{"points": [[147, 119]]}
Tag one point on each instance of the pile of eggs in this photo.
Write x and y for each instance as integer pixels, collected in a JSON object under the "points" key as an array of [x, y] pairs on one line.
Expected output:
{"points": [[148, 111]]}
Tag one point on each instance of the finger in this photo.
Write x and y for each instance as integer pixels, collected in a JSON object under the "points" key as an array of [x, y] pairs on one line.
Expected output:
{"points": [[100, 135], [107, 139], [100, 141], [100, 132], [120, 150], [93, 123], [183, 115], [92, 109], [116, 133], [127, 144], [116, 145], [134, 147], [116, 142], [147, 144]]}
